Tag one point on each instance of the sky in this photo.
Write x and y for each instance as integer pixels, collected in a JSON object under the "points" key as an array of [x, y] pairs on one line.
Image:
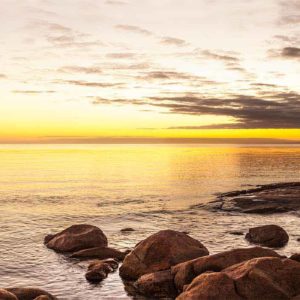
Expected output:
{"points": [[89, 70]]}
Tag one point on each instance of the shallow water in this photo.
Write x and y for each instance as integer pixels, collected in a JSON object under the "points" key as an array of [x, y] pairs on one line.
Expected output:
{"points": [[44, 188]]}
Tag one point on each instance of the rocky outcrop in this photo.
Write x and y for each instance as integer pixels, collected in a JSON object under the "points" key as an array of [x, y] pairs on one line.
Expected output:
{"points": [[268, 236], [265, 199], [159, 285], [159, 252], [98, 270], [185, 272], [5, 295], [265, 278], [30, 293], [75, 238], [100, 253]]}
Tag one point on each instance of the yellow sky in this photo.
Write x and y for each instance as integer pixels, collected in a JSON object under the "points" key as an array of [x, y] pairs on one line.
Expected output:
{"points": [[159, 69]]}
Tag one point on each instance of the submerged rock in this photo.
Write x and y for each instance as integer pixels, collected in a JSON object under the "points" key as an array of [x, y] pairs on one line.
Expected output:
{"points": [[265, 278], [30, 293], [159, 252], [266, 199], [127, 229], [185, 272], [6, 295], [100, 253], [268, 235], [159, 285], [75, 238], [98, 270]]}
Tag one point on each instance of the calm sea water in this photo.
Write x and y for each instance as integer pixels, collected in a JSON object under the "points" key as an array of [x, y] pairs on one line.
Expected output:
{"points": [[45, 188]]}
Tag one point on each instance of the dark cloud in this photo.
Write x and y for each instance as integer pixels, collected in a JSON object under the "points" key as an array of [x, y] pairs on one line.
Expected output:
{"points": [[78, 69], [135, 29], [91, 84], [168, 40], [275, 110], [290, 52]]}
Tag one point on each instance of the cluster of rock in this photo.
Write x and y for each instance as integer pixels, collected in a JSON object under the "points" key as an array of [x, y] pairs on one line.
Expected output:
{"points": [[25, 294], [171, 264]]}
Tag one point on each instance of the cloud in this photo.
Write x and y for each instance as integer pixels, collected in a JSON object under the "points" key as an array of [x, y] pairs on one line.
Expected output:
{"points": [[167, 40], [274, 110], [290, 52], [3, 76], [135, 29], [91, 84], [32, 92], [219, 56], [291, 19], [78, 69], [121, 55], [115, 2]]}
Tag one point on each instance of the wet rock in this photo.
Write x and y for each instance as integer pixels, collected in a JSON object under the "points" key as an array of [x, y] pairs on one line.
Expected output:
{"points": [[75, 238], [295, 257], [185, 272], [100, 253], [236, 233], [30, 293], [128, 229], [5, 295], [266, 199], [265, 278], [159, 285], [159, 252], [268, 236], [98, 270]]}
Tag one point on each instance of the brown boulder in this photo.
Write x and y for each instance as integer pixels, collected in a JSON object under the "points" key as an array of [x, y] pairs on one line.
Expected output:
{"points": [[185, 272], [98, 270], [269, 236], [6, 295], [75, 238], [296, 257], [159, 285], [265, 278], [29, 293], [210, 286], [159, 252], [100, 253]]}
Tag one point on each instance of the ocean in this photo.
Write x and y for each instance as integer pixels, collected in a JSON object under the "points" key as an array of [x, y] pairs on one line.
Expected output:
{"points": [[45, 188]]}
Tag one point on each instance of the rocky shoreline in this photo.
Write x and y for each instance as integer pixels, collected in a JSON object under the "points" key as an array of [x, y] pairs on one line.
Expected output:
{"points": [[171, 264]]}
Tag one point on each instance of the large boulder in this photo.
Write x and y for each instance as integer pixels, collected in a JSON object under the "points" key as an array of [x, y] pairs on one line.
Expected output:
{"points": [[158, 285], [29, 293], [269, 236], [185, 272], [6, 295], [159, 252], [265, 278], [75, 238], [100, 253]]}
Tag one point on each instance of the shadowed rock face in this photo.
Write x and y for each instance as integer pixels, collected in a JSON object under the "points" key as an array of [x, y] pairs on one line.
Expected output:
{"points": [[265, 278], [159, 252], [268, 236], [75, 238], [185, 272], [266, 199]]}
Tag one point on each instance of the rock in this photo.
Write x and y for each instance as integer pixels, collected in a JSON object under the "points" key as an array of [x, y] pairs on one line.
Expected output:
{"points": [[100, 253], [265, 199], [128, 229], [265, 278], [296, 257], [159, 252], [159, 285], [6, 295], [268, 235], [42, 298], [185, 272], [30, 293], [75, 238], [210, 286], [98, 270], [236, 233]]}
